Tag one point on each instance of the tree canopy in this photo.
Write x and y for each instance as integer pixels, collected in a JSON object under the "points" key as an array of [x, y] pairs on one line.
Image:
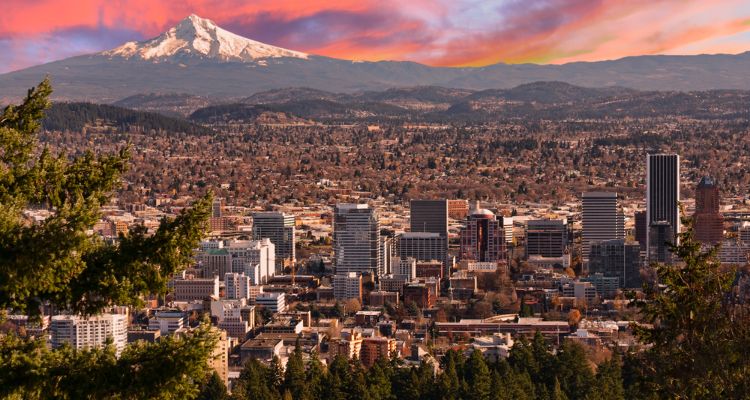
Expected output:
{"points": [[56, 262]]}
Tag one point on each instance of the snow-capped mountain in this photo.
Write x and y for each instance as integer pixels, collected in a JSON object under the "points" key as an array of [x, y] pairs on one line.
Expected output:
{"points": [[198, 58], [196, 36]]}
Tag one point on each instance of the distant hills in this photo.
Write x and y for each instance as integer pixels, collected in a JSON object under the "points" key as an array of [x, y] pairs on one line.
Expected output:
{"points": [[198, 58], [300, 106]]}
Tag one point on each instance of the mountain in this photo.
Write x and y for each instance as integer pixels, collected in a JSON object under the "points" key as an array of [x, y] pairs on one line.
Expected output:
{"points": [[198, 37], [196, 57]]}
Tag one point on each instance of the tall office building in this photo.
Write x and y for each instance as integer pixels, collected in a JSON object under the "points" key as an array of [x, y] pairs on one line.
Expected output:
{"points": [[662, 195], [430, 216], [602, 219], [660, 233], [708, 223], [617, 258], [356, 239], [217, 208], [423, 246], [483, 237], [641, 228], [279, 228], [546, 237]]}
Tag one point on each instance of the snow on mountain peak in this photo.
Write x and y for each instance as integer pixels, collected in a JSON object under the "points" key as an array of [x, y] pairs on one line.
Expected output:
{"points": [[196, 36]]}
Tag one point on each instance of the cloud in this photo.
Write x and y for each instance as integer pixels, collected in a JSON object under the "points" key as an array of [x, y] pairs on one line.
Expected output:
{"points": [[438, 32]]}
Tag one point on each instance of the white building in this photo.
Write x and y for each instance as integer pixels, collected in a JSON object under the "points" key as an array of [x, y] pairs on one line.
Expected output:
{"points": [[91, 332], [274, 302], [168, 322], [347, 286], [237, 286], [404, 266], [254, 258]]}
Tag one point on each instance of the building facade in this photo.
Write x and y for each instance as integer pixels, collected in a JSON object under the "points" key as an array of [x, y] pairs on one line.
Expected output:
{"points": [[546, 237], [601, 218], [91, 332], [279, 228], [708, 223], [662, 196], [617, 258], [356, 240], [483, 237]]}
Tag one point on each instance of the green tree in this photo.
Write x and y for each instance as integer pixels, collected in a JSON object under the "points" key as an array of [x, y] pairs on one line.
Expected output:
{"points": [[57, 262], [213, 389], [573, 371], [698, 330], [295, 377], [478, 379]]}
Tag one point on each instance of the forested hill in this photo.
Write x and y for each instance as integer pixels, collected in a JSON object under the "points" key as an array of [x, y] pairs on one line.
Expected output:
{"points": [[75, 116]]}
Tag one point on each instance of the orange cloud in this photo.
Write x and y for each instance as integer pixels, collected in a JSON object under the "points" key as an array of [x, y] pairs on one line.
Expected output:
{"points": [[439, 32]]}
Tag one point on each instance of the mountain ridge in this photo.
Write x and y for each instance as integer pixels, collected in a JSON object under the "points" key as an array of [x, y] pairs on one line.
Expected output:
{"points": [[197, 57]]}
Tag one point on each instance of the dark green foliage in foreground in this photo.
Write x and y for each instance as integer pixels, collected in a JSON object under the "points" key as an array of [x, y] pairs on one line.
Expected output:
{"points": [[566, 375], [75, 116], [56, 262], [701, 331]]}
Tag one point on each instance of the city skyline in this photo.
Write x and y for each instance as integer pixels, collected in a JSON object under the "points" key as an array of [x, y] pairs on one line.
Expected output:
{"points": [[439, 33]]}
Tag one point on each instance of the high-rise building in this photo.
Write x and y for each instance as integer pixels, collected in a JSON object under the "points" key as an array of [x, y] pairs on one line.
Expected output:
{"points": [[641, 229], [660, 234], [430, 216], [347, 286], [602, 219], [662, 196], [483, 237], [85, 333], [708, 223], [254, 258], [546, 237], [237, 286], [217, 208], [617, 258], [423, 246], [279, 228], [356, 239]]}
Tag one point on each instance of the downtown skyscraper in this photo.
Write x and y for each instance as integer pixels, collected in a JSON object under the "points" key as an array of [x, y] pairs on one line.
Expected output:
{"points": [[662, 197], [602, 219], [356, 239]]}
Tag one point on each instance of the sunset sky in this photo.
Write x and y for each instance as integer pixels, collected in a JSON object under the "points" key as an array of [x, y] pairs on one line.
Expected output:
{"points": [[442, 32]]}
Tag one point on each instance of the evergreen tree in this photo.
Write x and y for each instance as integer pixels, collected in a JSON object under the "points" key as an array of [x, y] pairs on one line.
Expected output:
{"points": [[609, 380], [335, 387], [57, 262], [557, 392], [295, 376], [477, 377], [378, 381], [254, 383], [573, 371], [448, 383], [213, 389], [316, 375], [698, 332]]}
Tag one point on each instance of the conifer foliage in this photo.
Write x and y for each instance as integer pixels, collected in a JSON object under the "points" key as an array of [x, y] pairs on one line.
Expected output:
{"points": [[58, 263]]}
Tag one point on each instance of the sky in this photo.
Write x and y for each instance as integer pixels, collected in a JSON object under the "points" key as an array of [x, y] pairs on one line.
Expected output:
{"points": [[438, 32]]}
